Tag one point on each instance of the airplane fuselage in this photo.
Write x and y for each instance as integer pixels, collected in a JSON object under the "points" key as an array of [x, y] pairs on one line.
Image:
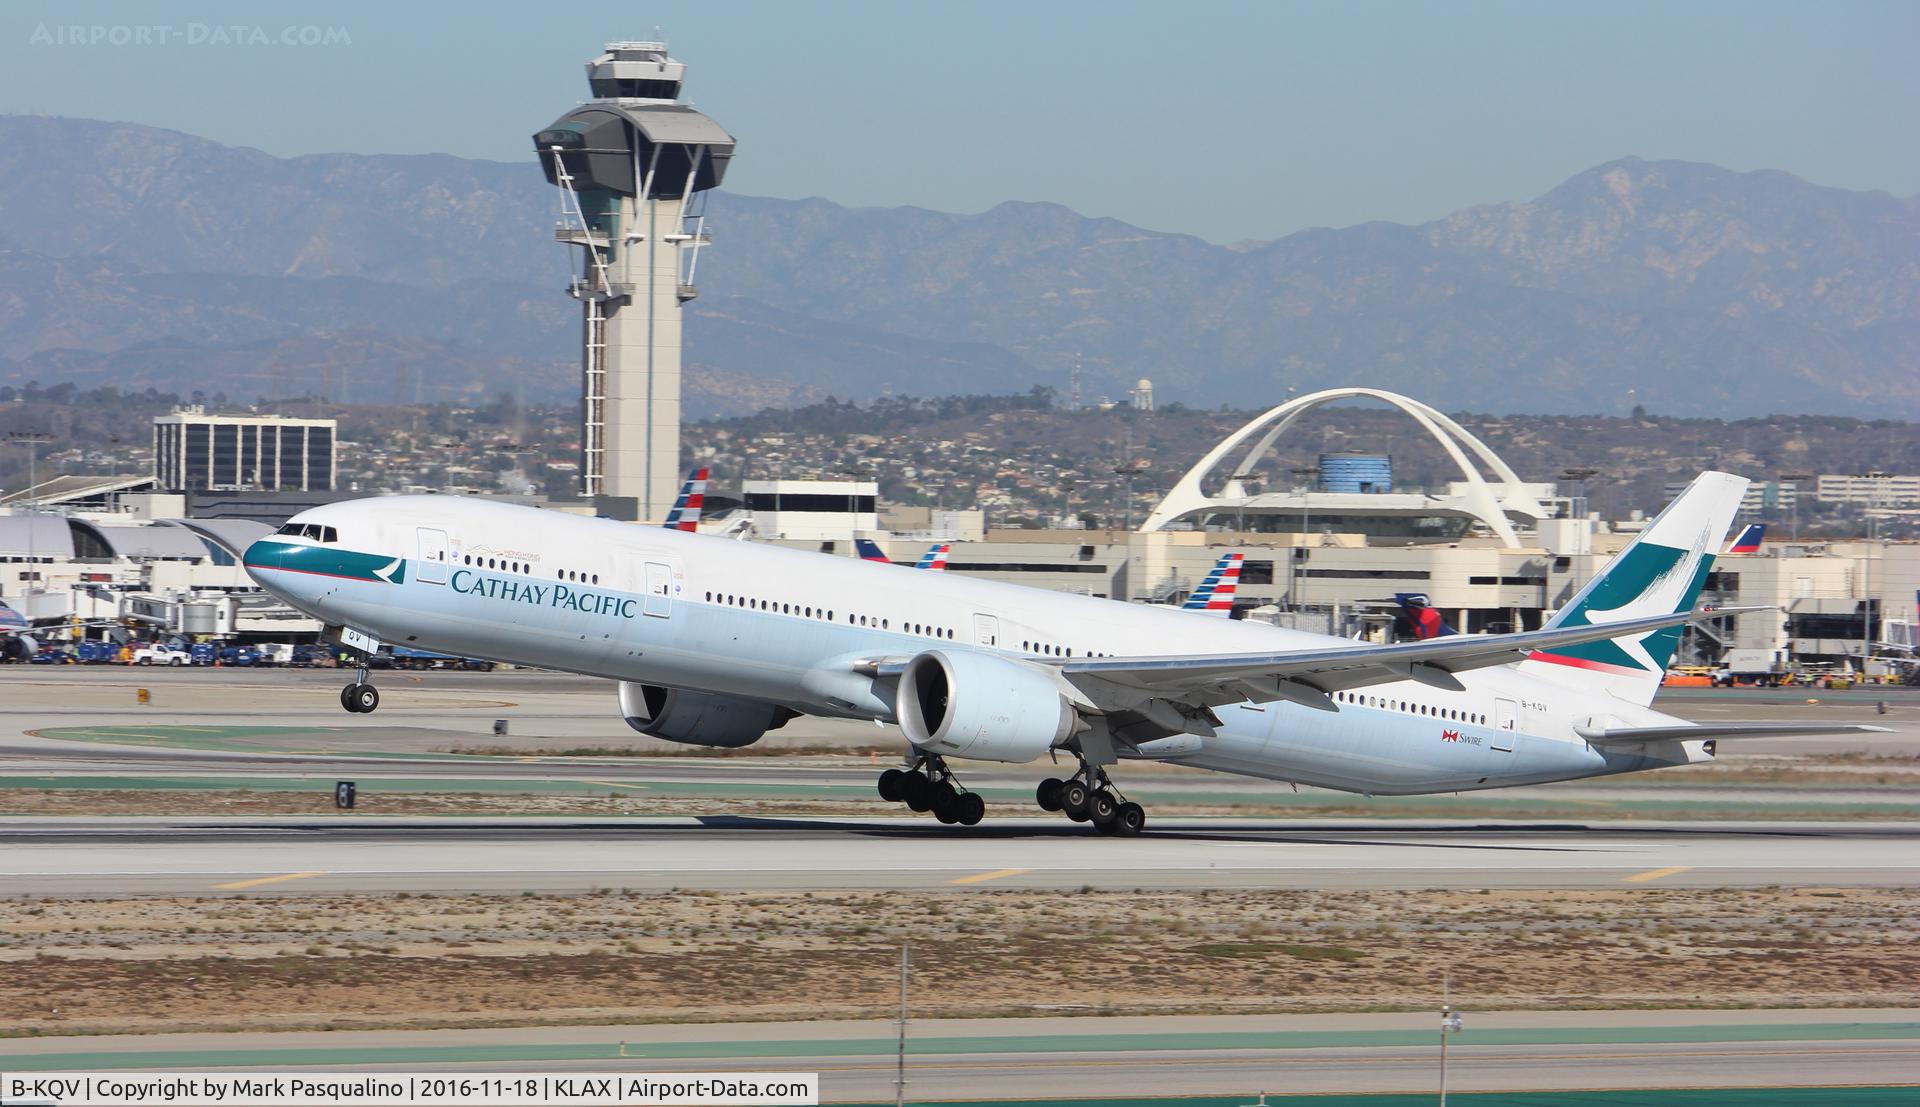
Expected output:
{"points": [[699, 613]]}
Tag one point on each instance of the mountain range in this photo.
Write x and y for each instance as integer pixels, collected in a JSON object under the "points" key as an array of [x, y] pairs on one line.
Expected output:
{"points": [[139, 256]]}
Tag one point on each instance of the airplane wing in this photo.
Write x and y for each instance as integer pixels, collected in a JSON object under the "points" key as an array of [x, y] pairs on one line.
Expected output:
{"points": [[1634, 735], [1308, 676]]}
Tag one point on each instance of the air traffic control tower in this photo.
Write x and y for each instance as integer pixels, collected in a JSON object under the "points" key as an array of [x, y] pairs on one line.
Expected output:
{"points": [[631, 165]]}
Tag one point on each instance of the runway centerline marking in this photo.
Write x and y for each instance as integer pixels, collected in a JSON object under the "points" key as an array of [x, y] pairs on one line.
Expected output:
{"points": [[1656, 874], [237, 885], [981, 878]]}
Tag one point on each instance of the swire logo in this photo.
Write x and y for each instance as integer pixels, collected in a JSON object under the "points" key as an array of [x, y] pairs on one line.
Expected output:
{"points": [[1449, 736]]}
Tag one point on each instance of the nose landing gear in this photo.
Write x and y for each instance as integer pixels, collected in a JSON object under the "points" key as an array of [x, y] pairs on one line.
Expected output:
{"points": [[360, 697], [928, 785]]}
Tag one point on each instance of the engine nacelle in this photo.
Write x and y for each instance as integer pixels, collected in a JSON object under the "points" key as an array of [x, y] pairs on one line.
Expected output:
{"points": [[697, 718], [965, 704]]}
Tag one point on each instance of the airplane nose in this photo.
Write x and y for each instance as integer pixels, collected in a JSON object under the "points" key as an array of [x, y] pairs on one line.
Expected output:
{"points": [[264, 554]]}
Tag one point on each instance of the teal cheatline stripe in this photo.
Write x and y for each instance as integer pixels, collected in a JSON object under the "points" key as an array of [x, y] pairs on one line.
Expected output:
{"points": [[326, 561]]}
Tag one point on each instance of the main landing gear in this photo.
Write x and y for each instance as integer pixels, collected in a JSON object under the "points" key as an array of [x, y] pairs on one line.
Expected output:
{"points": [[928, 785], [360, 697], [1089, 796]]}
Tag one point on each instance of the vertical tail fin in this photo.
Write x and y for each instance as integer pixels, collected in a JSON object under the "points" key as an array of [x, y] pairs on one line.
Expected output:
{"points": [[1660, 572], [686, 507], [1749, 540], [869, 550], [1215, 594], [935, 558]]}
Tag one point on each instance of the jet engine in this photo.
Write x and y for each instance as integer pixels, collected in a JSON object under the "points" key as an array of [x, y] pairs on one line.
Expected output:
{"points": [[698, 718], [977, 705]]}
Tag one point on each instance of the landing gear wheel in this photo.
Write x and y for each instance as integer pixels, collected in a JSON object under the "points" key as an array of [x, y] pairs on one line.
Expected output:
{"points": [[1074, 797], [918, 792], [1102, 808], [946, 807], [1111, 827], [360, 698], [892, 786], [1131, 819], [972, 809], [1048, 794]]}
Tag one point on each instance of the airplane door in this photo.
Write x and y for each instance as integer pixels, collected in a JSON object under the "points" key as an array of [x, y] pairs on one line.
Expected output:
{"points": [[986, 630], [433, 555], [1506, 715], [658, 600]]}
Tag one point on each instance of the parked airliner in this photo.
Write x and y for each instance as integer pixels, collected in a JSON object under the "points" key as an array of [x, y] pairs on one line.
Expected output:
{"points": [[715, 642]]}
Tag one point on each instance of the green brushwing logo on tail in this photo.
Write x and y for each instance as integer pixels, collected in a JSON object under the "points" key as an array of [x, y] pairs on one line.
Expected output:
{"points": [[1647, 580]]}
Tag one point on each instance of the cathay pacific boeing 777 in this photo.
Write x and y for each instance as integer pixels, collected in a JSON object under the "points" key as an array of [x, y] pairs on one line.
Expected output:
{"points": [[715, 642]]}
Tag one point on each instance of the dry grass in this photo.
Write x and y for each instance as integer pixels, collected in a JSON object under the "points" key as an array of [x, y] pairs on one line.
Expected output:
{"points": [[75, 966]]}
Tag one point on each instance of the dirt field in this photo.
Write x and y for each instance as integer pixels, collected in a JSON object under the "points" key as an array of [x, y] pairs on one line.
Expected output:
{"points": [[72, 966]]}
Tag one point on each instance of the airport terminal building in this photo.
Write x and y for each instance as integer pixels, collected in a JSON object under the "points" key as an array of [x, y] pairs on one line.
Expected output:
{"points": [[1491, 552]]}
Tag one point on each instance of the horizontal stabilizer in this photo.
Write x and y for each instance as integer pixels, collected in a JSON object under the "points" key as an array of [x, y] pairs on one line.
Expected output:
{"points": [[1631, 735]]}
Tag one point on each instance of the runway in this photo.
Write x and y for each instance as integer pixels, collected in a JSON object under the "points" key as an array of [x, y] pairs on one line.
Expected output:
{"points": [[1161, 1055], [167, 856]]}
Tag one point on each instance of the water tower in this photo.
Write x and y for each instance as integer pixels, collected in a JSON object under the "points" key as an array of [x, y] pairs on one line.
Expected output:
{"points": [[632, 165]]}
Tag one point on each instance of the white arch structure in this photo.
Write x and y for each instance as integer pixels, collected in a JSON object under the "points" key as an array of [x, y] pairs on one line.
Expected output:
{"points": [[1481, 502]]}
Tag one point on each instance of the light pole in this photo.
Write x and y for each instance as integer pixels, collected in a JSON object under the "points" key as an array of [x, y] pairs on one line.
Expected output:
{"points": [[1793, 513], [1578, 476], [32, 440], [900, 1059], [1449, 1026], [1305, 475]]}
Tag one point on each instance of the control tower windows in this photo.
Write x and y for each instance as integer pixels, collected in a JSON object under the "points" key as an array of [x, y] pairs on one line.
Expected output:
{"points": [[616, 88]]}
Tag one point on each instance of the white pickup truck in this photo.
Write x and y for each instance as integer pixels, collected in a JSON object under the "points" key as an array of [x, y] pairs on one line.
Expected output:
{"points": [[159, 653]]}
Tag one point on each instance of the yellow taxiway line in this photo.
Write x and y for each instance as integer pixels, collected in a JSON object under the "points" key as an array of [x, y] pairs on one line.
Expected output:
{"points": [[982, 878], [258, 881], [1656, 874]]}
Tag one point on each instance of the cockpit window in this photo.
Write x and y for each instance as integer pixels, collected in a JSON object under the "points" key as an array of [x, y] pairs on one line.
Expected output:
{"points": [[310, 530]]}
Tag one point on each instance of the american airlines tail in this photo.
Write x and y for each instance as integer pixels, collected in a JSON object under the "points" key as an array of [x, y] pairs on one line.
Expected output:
{"points": [[691, 502], [1661, 572], [1215, 594]]}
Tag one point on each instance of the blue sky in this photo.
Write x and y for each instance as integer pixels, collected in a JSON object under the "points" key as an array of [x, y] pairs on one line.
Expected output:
{"points": [[1229, 120]]}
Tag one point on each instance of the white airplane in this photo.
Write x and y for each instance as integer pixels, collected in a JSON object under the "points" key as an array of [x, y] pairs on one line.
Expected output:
{"points": [[715, 642]]}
